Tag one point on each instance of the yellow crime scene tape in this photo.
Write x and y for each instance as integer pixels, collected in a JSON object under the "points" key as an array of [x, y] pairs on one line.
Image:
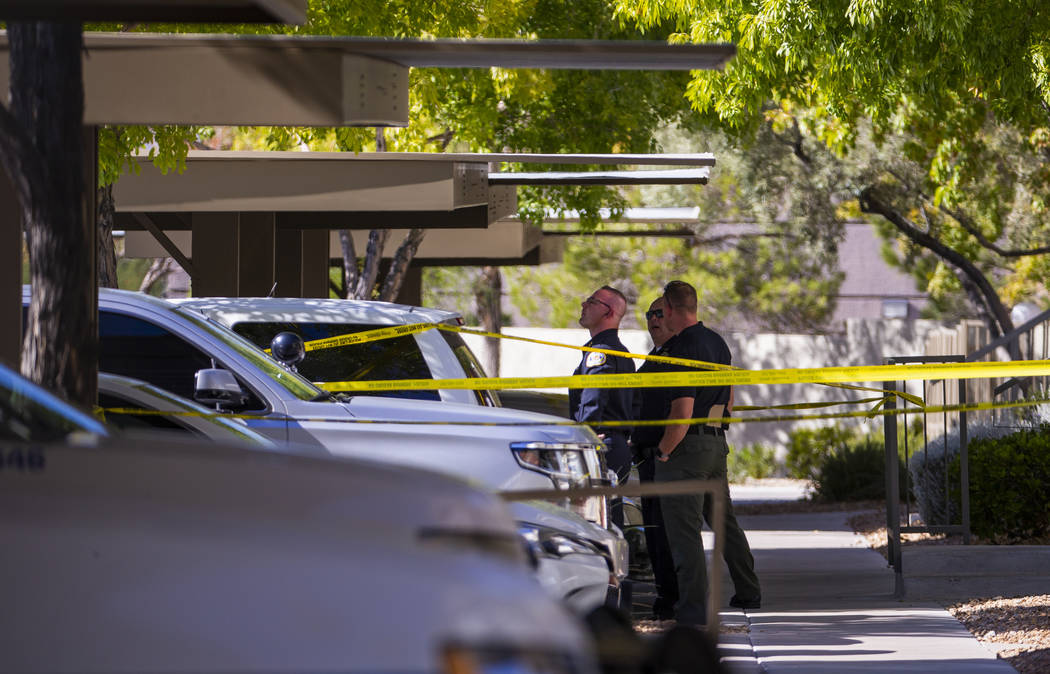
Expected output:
{"points": [[403, 330], [896, 411], [816, 375]]}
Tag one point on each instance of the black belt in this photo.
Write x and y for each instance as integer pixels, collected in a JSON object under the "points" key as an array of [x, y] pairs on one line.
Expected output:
{"points": [[706, 430]]}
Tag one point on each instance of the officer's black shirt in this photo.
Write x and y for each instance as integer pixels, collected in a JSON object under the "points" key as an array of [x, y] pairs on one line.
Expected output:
{"points": [[594, 404], [651, 403], [696, 342]]}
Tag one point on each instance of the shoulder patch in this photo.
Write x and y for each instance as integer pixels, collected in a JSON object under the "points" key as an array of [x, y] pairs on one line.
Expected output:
{"points": [[594, 359]]}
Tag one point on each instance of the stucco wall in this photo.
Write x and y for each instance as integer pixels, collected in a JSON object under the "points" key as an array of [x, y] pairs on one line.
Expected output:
{"points": [[865, 342]]}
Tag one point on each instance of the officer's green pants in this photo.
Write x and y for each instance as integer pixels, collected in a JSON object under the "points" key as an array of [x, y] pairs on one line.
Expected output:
{"points": [[702, 457]]}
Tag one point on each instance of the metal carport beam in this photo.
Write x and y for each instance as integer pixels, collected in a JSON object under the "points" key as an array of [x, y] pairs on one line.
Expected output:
{"points": [[696, 176], [284, 80], [167, 11]]}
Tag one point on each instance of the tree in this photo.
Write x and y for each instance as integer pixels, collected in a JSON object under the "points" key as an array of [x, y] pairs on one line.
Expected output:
{"points": [[948, 84], [41, 147]]}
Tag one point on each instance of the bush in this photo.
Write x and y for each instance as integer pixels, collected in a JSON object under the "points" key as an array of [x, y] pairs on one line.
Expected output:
{"points": [[1010, 486], [937, 466], [755, 460], [808, 447], [855, 472]]}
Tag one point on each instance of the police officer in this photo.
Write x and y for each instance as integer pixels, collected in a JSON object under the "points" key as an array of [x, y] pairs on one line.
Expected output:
{"points": [[643, 444], [698, 452], [601, 314]]}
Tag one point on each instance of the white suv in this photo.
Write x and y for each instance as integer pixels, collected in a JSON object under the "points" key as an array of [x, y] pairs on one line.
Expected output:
{"points": [[169, 345]]}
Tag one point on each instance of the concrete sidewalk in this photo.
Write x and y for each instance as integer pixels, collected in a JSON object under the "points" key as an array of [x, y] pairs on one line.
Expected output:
{"points": [[827, 606]]}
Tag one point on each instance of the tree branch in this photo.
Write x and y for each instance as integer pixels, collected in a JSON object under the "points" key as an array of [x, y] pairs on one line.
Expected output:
{"points": [[395, 276], [373, 256], [350, 273], [999, 318], [966, 223]]}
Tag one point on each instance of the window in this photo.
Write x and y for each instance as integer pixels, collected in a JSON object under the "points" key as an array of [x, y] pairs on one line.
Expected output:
{"points": [[136, 348], [894, 308], [469, 362], [135, 421], [381, 360]]}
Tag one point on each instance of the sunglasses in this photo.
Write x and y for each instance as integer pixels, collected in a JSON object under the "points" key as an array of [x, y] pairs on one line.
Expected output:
{"points": [[655, 313], [594, 300]]}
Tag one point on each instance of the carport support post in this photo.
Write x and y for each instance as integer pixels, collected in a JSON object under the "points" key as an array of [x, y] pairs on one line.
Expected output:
{"points": [[893, 516], [215, 254], [233, 254], [302, 263]]}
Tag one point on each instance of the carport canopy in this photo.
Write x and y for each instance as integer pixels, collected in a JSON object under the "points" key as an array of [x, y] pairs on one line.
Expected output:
{"points": [[150, 78], [240, 222]]}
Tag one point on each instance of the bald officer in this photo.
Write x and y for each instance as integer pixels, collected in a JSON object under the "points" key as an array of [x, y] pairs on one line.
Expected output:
{"points": [[601, 314]]}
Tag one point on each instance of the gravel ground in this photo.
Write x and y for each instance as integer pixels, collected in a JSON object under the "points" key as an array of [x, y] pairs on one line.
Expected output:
{"points": [[1017, 628]]}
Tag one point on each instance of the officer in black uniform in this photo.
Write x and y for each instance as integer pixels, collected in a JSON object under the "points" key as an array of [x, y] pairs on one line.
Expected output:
{"points": [[601, 314], [652, 404], [699, 452]]}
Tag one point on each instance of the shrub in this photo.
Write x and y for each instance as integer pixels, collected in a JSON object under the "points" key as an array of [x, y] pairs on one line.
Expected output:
{"points": [[1010, 486], [937, 466], [755, 460], [808, 447], [854, 472]]}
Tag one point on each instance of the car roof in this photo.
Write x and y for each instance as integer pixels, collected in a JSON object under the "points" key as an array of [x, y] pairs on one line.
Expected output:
{"points": [[232, 310]]}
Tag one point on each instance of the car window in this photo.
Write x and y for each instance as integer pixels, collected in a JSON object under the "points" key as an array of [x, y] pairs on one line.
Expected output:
{"points": [[109, 401], [29, 413], [133, 347], [471, 367], [298, 386], [381, 360]]}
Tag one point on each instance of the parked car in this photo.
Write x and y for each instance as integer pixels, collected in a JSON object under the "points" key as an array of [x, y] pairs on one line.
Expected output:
{"points": [[423, 355], [28, 413], [179, 350], [151, 408], [175, 555]]}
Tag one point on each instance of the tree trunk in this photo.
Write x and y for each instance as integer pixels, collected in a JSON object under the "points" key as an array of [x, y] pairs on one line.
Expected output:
{"points": [[43, 140], [107, 253], [488, 296], [373, 257], [395, 276], [350, 273], [158, 271]]}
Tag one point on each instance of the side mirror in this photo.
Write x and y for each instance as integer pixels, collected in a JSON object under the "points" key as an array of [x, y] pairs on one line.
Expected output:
{"points": [[215, 386], [288, 349]]}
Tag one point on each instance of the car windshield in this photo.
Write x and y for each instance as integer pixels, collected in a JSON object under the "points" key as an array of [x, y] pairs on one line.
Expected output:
{"points": [[293, 383], [469, 362], [29, 413], [387, 359]]}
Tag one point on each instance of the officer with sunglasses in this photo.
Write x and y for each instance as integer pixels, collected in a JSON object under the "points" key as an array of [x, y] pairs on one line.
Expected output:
{"points": [[601, 314], [649, 404]]}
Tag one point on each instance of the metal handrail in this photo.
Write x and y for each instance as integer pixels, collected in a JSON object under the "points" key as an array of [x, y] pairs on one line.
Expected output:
{"points": [[893, 520], [1009, 337]]}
